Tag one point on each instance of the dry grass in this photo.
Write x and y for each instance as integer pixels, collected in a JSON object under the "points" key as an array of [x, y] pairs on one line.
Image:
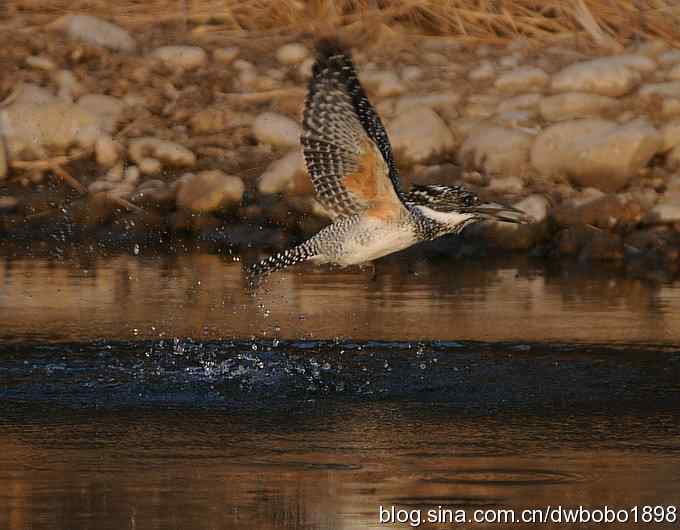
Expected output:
{"points": [[607, 23]]}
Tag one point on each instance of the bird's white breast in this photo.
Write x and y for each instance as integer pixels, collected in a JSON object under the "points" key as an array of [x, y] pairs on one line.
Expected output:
{"points": [[372, 239]]}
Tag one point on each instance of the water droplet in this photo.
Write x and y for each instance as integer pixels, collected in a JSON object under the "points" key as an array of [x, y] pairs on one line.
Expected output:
{"points": [[135, 249]]}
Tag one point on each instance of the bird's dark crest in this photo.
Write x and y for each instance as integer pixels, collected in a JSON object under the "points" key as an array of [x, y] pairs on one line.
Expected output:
{"points": [[441, 198]]}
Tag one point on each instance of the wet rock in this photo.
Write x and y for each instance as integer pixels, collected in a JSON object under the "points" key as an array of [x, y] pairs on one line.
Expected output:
{"points": [[154, 193], [521, 102], [226, 55], [496, 150], [440, 101], [419, 134], [607, 76], [168, 152], [292, 53], [277, 130], [651, 90], [590, 243], [573, 105], [483, 72], [8, 203], [40, 62], [209, 191], [32, 131], [107, 151], [536, 206], [607, 212], [522, 79], [286, 175], [182, 57], [594, 152], [93, 30], [108, 109]]}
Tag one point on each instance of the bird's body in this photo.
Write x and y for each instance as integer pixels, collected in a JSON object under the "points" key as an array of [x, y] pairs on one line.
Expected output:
{"points": [[349, 160]]}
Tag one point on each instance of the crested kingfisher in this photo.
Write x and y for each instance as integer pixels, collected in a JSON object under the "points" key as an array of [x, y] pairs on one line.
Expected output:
{"points": [[349, 159]]}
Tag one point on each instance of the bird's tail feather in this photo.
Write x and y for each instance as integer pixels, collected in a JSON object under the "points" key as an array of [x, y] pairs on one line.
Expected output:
{"points": [[279, 261]]}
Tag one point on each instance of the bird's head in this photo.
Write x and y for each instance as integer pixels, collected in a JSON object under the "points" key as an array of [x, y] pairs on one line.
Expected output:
{"points": [[453, 208]]}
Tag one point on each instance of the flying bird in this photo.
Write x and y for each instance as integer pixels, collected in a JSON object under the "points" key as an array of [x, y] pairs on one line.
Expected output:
{"points": [[349, 159]]}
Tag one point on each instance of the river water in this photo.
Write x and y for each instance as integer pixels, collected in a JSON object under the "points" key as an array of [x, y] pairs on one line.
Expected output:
{"points": [[152, 391]]}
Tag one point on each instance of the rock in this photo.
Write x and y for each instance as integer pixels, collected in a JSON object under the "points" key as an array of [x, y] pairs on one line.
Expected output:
{"points": [[69, 86], [674, 73], [108, 109], [419, 134], [291, 54], [607, 76], [590, 243], [304, 70], [31, 93], [107, 151], [666, 212], [670, 89], [595, 152], [516, 119], [93, 30], [669, 58], [483, 72], [496, 150], [521, 102], [8, 203], [411, 73], [209, 191], [651, 48], [182, 57], [536, 206], [384, 83], [226, 55], [606, 212], [3, 157], [150, 166], [572, 105], [670, 107], [277, 130], [521, 79], [219, 118], [506, 185], [40, 63], [131, 175], [286, 175], [671, 135], [440, 101], [168, 152], [154, 193], [33, 131]]}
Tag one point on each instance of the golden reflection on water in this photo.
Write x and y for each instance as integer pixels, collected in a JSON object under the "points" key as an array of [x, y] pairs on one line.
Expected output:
{"points": [[203, 296]]}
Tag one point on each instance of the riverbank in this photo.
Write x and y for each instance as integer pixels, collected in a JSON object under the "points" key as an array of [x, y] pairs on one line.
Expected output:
{"points": [[118, 134]]}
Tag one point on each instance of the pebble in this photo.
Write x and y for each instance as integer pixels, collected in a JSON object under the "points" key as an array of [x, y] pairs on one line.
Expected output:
{"points": [[572, 105], [419, 134], [498, 150], [183, 57], [107, 151], [522, 79], [671, 135], [150, 166], [440, 101], [384, 83], [506, 185], [282, 175], [595, 152], [209, 191], [483, 72], [670, 107], [40, 62], [669, 58], [131, 175], [277, 130], [520, 102], [33, 130], [108, 109], [218, 118], [670, 89], [535, 206], [606, 76], [226, 55], [69, 86], [168, 152], [30, 93], [664, 213], [411, 73], [674, 73], [93, 30], [292, 53]]}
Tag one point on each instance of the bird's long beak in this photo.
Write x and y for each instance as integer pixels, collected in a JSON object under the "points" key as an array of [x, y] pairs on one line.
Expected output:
{"points": [[499, 212]]}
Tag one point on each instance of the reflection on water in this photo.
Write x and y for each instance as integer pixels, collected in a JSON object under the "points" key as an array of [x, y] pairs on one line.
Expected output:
{"points": [[202, 296], [153, 392]]}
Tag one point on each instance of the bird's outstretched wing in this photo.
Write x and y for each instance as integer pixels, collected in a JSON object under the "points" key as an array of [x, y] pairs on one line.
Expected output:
{"points": [[345, 145]]}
